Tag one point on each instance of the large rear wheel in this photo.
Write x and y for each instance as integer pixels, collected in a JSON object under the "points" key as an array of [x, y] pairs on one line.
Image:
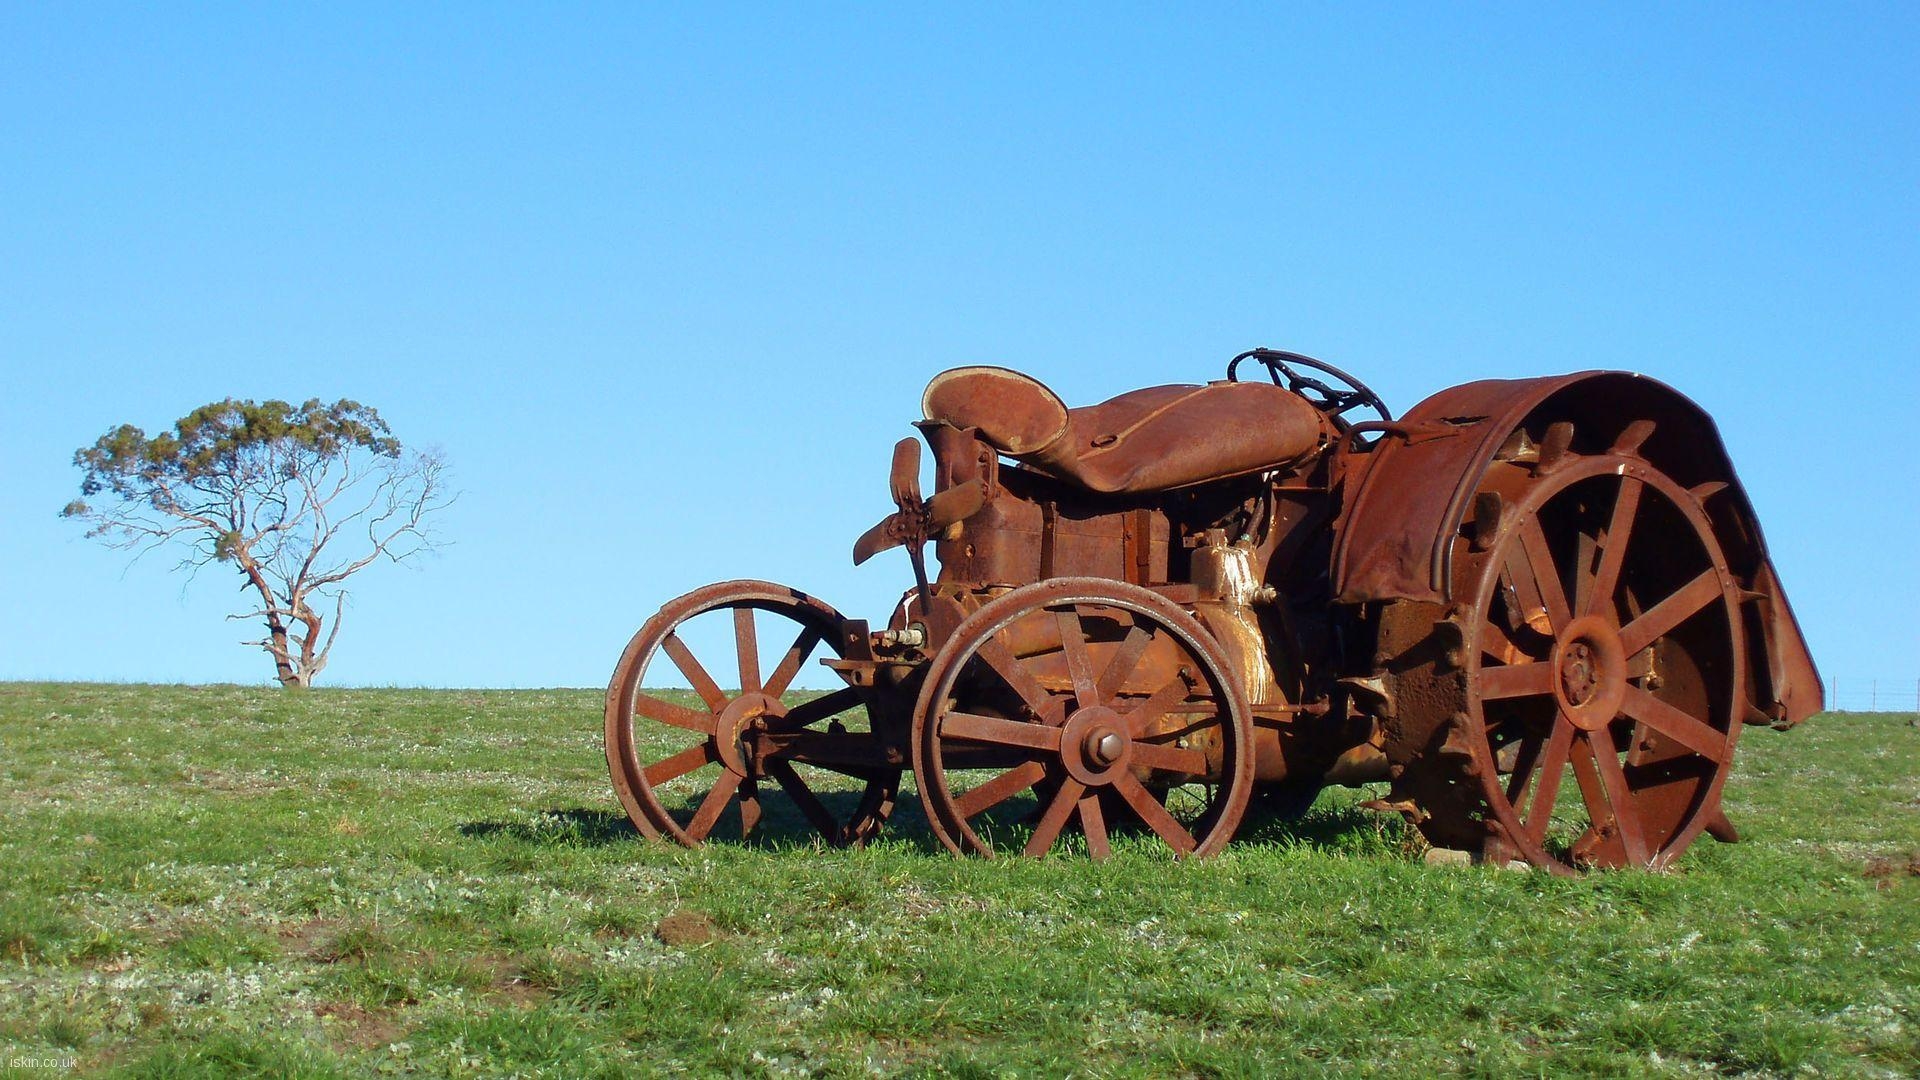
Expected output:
{"points": [[1603, 666]]}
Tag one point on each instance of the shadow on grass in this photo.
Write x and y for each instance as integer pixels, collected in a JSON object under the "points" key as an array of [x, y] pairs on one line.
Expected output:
{"points": [[577, 826], [1330, 825], [1326, 827], [781, 826]]}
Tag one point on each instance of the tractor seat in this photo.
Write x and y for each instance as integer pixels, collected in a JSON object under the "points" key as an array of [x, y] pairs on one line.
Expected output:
{"points": [[1155, 439]]}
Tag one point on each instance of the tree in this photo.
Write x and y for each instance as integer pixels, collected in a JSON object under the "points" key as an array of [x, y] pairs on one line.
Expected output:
{"points": [[296, 498]]}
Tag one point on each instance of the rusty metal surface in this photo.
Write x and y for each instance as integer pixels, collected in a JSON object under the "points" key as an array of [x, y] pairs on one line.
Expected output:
{"points": [[1601, 631], [754, 733], [1540, 610], [1102, 699], [1156, 439], [1396, 538]]}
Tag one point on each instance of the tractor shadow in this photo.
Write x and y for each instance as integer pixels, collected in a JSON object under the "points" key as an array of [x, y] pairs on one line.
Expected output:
{"points": [[1333, 823], [1330, 825], [572, 827], [781, 826]]}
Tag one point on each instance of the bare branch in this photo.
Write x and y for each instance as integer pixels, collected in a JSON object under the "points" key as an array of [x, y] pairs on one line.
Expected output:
{"points": [[296, 498]]}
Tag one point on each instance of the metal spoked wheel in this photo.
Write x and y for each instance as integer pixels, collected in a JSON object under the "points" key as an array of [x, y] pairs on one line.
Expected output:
{"points": [[1088, 702], [1609, 646], [680, 768]]}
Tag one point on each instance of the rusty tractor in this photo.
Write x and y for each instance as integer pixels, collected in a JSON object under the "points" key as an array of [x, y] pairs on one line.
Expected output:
{"points": [[1152, 613]]}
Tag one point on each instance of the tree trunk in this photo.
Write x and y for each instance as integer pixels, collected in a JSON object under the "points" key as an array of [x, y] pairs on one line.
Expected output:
{"points": [[283, 668]]}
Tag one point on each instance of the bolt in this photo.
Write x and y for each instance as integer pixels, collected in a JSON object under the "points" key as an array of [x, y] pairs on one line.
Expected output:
{"points": [[909, 637]]}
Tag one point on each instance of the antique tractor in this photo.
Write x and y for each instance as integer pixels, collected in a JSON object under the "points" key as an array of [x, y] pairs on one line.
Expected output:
{"points": [[1151, 612]]}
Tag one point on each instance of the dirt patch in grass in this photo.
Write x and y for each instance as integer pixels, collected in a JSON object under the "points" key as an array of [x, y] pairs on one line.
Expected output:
{"points": [[516, 990], [684, 928], [303, 938], [331, 941], [1886, 871], [509, 981], [353, 1025]]}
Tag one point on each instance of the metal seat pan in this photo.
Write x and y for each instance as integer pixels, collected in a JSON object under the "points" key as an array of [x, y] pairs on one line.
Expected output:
{"points": [[1156, 439]]}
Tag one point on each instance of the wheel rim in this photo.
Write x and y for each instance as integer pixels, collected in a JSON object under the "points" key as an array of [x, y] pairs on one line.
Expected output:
{"points": [[1609, 646], [1014, 742], [687, 772]]}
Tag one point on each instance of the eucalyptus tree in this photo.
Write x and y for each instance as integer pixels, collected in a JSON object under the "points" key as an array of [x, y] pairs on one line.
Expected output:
{"points": [[295, 498]]}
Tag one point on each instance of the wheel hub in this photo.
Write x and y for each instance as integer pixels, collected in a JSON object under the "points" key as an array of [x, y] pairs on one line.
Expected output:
{"points": [[1578, 679], [1589, 672], [1095, 745], [742, 717]]}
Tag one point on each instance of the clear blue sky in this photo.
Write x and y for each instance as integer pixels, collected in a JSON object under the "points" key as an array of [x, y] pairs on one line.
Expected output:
{"points": [[665, 283]]}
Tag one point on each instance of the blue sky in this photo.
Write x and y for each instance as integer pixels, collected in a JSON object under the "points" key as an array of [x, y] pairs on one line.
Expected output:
{"points": [[665, 283]]}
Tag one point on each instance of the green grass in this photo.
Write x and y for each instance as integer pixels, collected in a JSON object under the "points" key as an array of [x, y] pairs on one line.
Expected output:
{"points": [[231, 880]]}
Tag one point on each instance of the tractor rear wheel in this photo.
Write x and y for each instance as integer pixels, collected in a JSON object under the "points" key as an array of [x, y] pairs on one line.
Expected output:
{"points": [[1603, 666]]}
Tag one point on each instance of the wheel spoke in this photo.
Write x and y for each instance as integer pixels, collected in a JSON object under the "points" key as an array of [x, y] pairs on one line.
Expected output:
{"points": [[1516, 680], [782, 770], [1162, 823], [723, 788], [1674, 723], [1004, 664], [1094, 826], [1526, 763], [812, 712], [1585, 558], [1494, 642], [1546, 576], [1125, 659], [1155, 706], [1546, 790], [1073, 640], [1048, 830], [678, 716], [748, 646], [697, 676], [749, 808], [1171, 758], [789, 665], [1651, 626], [1525, 608], [992, 729], [999, 789], [1613, 551], [680, 764], [1616, 804]]}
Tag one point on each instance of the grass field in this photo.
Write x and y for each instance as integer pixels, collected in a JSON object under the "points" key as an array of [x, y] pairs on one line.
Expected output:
{"points": [[231, 880]]}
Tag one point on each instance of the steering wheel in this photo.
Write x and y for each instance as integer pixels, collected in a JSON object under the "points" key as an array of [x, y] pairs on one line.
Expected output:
{"points": [[1333, 401]]}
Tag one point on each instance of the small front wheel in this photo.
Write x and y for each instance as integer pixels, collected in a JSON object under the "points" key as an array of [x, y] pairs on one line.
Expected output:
{"points": [[680, 770]]}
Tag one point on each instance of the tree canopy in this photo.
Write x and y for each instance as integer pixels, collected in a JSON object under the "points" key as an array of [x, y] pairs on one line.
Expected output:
{"points": [[297, 498]]}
